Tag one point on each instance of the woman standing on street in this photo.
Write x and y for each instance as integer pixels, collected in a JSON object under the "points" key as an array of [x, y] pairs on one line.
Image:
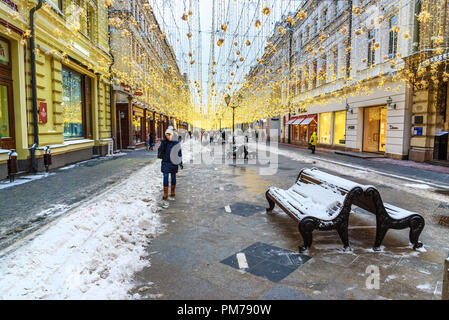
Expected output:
{"points": [[170, 153], [313, 141]]}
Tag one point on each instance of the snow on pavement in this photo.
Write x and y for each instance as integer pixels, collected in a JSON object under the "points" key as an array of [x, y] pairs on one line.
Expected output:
{"points": [[418, 187], [92, 252]]}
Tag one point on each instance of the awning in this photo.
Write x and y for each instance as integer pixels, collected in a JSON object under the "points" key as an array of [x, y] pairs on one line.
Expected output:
{"points": [[296, 120], [299, 120], [289, 122], [307, 120]]}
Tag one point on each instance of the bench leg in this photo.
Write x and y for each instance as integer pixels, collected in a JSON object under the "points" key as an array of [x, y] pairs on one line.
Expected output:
{"points": [[381, 231], [416, 226], [342, 229], [306, 227], [270, 203]]}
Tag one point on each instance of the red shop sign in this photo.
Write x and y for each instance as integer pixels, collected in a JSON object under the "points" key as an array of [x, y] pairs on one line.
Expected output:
{"points": [[43, 112]]}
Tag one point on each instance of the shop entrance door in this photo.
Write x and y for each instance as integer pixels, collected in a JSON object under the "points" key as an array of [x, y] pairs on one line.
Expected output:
{"points": [[7, 140], [374, 129]]}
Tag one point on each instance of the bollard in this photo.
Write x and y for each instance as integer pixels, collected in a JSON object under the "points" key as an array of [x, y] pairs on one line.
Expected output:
{"points": [[445, 292], [47, 158], [13, 168]]}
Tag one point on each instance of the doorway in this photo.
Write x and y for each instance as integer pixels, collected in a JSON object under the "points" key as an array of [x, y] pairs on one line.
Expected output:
{"points": [[7, 131], [375, 129]]}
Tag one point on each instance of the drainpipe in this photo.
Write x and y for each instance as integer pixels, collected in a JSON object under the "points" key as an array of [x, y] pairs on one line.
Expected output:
{"points": [[33, 87], [111, 87]]}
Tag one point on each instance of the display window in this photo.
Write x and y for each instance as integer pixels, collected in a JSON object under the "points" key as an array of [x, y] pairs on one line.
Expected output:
{"points": [[325, 128], [340, 128], [76, 105]]}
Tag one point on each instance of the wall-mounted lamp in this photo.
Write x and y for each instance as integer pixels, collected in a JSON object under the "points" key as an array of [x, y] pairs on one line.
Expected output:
{"points": [[390, 103], [349, 109]]}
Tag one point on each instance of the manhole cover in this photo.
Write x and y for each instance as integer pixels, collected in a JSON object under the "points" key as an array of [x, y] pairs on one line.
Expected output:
{"points": [[266, 261], [242, 209]]}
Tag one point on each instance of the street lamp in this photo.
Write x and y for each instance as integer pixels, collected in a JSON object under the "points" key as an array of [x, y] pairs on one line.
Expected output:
{"points": [[228, 100]]}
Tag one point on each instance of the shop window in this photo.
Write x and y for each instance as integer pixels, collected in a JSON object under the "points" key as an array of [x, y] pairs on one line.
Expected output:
{"points": [[303, 134], [4, 112], [77, 105], [325, 127], [340, 127]]}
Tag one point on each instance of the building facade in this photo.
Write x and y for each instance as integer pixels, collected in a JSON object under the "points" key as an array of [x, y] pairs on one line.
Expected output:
{"points": [[347, 82], [429, 74], [72, 81], [144, 71]]}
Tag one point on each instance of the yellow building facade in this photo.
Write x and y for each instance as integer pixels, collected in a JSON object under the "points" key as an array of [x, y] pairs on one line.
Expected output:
{"points": [[72, 81], [429, 72]]}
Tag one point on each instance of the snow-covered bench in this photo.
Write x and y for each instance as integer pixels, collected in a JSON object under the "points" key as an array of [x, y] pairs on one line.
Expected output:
{"points": [[319, 200]]}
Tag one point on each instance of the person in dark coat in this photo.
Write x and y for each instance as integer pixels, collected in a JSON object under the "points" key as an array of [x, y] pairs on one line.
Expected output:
{"points": [[151, 138], [170, 160]]}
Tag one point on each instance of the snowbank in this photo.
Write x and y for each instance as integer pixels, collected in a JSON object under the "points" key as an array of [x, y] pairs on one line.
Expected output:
{"points": [[92, 252]]}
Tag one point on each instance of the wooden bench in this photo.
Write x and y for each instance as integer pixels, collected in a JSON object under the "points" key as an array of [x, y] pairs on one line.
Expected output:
{"points": [[321, 201]]}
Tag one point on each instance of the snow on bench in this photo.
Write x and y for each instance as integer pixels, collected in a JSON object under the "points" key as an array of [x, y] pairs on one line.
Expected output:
{"points": [[319, 200]]}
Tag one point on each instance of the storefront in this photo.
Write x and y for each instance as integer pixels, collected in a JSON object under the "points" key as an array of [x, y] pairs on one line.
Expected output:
{"points": [[374, 129], [76, 104], [138, 126], [302, 128], [7, 133]]}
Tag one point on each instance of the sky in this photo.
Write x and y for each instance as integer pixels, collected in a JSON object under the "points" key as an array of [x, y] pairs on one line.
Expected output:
{"points": [[239, 16]]}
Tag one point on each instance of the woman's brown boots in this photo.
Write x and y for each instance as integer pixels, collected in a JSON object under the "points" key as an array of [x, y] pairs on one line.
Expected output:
{"points": [[165, 196], [172, 191]]}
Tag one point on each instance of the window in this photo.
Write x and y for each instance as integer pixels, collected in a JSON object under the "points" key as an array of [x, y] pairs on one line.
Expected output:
{"points": [[315, 74], [393, 41], [325, 127], [315, 26], [90, 23], [323, 71], [324, 17], [4, 112], [335, 62], [340, 127], [371, 51], [77, 104]]}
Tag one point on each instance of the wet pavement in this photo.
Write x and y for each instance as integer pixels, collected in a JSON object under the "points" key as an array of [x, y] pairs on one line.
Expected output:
{"points": [[26, 207], [221, 244]]}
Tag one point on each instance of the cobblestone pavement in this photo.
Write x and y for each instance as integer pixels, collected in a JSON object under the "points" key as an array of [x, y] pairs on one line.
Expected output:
{"points": [[219, 214], [26, 207]]}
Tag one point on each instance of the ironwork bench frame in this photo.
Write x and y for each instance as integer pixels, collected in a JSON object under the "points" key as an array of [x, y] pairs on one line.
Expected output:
{"points": [[365, 197]]}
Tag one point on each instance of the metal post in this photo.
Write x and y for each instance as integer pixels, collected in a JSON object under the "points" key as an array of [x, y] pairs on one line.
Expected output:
{"points": [[34, 88], [445, 291], [289, 81]]}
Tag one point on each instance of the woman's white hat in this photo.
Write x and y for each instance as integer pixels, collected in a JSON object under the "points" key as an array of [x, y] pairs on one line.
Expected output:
{"points": [[169, 131]]}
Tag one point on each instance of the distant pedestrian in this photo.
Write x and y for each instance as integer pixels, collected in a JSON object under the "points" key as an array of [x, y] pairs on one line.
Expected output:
{"points": [[313, 142], [170, 160], [147, 142], [151, 140]]}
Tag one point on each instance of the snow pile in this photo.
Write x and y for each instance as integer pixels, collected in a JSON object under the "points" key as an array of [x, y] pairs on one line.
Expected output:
{"points": [[93, 252]]}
